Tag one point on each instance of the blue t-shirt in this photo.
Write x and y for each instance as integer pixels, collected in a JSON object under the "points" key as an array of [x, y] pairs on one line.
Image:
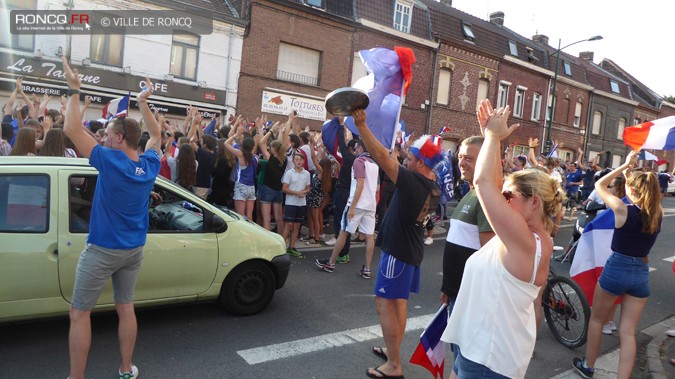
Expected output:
{"points": [[119, 213], [246, 174], [573, 176]]}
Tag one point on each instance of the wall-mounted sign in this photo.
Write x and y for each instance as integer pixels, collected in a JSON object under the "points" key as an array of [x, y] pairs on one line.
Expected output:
{"points": [[279, 103]]}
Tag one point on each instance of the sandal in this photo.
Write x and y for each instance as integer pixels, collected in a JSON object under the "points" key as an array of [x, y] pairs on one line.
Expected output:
{"points": [[381, 374], [379, 351]]}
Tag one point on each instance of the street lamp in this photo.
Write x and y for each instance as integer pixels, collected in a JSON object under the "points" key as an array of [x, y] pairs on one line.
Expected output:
{"points": [[548, 143]]}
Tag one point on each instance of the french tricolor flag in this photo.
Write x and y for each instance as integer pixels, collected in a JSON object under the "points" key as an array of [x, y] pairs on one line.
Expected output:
{"points": [[329, 137], [658, 134], [430, 352], [116, 108], [593, 250]]}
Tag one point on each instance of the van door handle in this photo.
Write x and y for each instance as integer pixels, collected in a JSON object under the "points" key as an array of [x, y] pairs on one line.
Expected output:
{"points": [[56, 252]]}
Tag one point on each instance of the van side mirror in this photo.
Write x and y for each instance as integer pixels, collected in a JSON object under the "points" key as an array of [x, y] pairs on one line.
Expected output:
{"points": [[218, 225]]}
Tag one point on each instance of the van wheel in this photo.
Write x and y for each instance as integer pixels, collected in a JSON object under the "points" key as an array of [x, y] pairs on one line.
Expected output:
{"points": [[247, 289]]}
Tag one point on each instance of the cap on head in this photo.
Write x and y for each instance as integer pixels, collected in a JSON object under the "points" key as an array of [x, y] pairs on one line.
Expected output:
{"points": [[427, 149]]}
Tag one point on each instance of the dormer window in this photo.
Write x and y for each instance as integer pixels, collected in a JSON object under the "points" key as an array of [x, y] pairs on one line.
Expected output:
{"points": [[402, 17], [568, 68], [468, 33], [615, 86], [315, 3], [513, 48]]}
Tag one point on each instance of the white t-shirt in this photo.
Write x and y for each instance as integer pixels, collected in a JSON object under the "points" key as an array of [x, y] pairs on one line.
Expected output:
{"points": [[297, 181]]}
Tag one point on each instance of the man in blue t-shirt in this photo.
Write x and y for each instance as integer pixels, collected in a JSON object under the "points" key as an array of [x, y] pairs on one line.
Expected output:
{"points": [[118, 229], [573, 179]]}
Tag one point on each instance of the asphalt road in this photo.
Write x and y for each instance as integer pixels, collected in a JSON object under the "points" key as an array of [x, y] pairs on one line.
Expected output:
{"points": [[319, 325]]}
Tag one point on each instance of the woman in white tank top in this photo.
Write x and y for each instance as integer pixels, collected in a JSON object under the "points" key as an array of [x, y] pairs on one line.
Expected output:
{"points": [[493, 320]]}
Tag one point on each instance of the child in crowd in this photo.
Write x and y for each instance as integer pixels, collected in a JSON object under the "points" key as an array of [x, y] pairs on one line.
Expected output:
{"points": [[296, 185]]}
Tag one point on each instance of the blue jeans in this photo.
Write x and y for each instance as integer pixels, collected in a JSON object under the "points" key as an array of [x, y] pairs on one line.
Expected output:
{"points": [[467, 369]]}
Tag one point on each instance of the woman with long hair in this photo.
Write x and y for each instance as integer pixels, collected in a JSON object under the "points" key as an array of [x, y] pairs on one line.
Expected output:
{"points": [[186, 167], [221, 187], [54, 144], [271, 196], [496, 338], [626, 273], [25, 143], [247, 164]]}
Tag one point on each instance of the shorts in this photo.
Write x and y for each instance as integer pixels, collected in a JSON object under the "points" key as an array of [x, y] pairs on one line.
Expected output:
{"points": [[202, 192], [268, 195], [395, 278], [363, 220], [242, 192], [295, 213], [465, 368], [96, 265], [624, 274]]}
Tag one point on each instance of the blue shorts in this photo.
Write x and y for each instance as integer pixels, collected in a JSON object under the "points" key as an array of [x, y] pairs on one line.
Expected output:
{"points": [[294, 213], [395, 278], [466, 369], [624, 274], [268, 195]]}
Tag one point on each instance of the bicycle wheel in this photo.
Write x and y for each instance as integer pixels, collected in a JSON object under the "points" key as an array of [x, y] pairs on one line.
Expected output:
{"points": [[566, 311]]}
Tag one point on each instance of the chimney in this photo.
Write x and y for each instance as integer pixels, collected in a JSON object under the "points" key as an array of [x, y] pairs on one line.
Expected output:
{"points": [[497, 18], [447, 2], [540, 39], [586, 55]]}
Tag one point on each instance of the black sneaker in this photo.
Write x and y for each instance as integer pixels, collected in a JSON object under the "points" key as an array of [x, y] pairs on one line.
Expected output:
{"points": [[365, 274], [325, 265], [580, 365]]}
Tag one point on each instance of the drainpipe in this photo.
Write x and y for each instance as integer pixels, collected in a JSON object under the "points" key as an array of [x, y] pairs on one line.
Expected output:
{"points": [[433, 86], [550, 114], [229, 65], [589, 126]]}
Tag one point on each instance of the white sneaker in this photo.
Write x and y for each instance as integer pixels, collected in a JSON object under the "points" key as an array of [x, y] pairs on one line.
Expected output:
{"points": [[322, 237], [129, 375], [612, 325], [428, 241], [607, 329], [671, 333], [331, 241]]}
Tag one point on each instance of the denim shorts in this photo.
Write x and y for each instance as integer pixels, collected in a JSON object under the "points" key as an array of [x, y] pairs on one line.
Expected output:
{"points": [[268, 195], [96, 265], [624, 274], [243, 192], [395, 278], [466, 369]]}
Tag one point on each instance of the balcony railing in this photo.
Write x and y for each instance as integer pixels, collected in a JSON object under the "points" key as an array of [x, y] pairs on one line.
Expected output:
{"points": [[297, 78]]}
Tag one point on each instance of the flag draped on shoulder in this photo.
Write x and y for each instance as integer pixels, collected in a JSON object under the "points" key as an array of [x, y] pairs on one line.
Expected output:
{"points": [[389, 77], [657, 134], [430, 352], [116, 108], [329, 137]]}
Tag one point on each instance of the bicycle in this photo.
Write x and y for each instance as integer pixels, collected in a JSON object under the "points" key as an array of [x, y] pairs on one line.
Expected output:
{"points": [[566, 310]]}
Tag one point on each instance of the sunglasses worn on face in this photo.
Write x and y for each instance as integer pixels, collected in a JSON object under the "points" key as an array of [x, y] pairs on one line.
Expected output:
{"points": [[508, 195]]}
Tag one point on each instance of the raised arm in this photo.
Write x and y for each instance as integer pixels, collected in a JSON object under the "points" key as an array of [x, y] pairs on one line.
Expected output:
{"points": [[151, 124], [31, 107], [72, 124], [9, 106], [87, 102], [614, 203], [532, 143], [582, 166], [229, 146], [375, 148]]}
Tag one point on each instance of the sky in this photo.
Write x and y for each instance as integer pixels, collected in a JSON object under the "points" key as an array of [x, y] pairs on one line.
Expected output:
{"points": [[637, 36]]}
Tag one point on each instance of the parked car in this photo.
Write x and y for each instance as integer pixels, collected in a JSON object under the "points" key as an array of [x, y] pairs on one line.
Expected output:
{"points": [[194, 251], [671, 188]]}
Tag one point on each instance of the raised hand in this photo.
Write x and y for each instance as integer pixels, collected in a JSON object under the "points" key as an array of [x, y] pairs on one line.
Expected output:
{"points": [[147, 90], [19, 85], [72, 76], [532, 142], [497, 123], [483, 114]]}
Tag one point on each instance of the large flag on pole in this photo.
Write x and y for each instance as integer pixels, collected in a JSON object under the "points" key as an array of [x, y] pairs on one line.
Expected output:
{"points": [[658, 134], [329, 137], [116, 108], [430, 352], [389, 77]]}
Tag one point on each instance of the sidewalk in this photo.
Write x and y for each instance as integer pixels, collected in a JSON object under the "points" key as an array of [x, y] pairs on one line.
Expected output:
{"points": [[657, 356]]}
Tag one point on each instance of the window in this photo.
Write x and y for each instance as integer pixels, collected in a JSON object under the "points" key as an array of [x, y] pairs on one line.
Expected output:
{"points": [[444, 80], [577, 115], [80, 198], [549, 108], [402, 17], [297, 64], [315, 3], [483, 86], [636, 121], [513, 48], [358, 69], [184, 52], [597, 122], [16, 41], [566, 108], [24, 203], [617, 160], [536, 106], [468, 33], [615, 86], [568, 68], [521, 150], [503, 97], [620, 128], [519, 101], [107, 49]]}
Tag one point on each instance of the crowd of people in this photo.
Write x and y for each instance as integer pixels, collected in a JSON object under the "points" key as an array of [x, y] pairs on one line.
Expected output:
{"points": [[281, 176]]}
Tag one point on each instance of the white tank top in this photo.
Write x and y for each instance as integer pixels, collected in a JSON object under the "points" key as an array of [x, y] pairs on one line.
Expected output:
{"points": [[493, 319]]}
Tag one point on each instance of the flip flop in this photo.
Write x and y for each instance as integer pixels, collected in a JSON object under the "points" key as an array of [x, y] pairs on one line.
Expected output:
{"points": [[377, 370], [379, 351]]}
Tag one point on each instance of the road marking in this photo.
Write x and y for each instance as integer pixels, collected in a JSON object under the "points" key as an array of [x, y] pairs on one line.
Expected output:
{"points": [[671, 259], [309, 345], [651, 269]]}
